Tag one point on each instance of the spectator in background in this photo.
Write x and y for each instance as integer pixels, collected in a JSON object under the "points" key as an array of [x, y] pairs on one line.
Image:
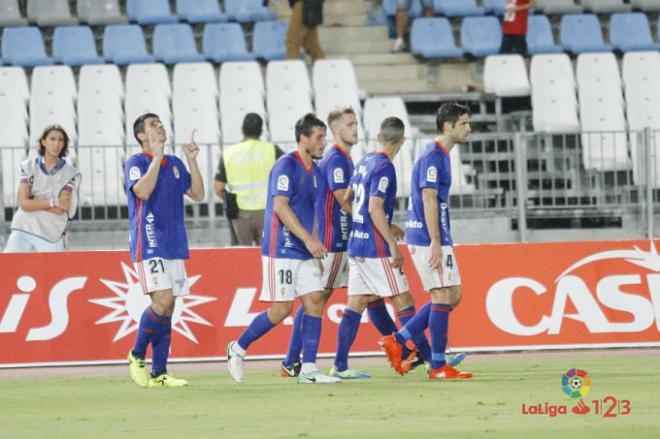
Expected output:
{"points": [[401, 19], [305, 18], [47, 197], [514, 26], [245, 168]]}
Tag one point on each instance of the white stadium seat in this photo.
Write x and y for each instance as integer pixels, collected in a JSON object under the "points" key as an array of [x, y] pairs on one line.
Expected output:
{"points": [[288, 76], [554, 103], [234, 105], [14, 81], [100, 79], [55, 81], [241, 75], [506, 75], [334, 72]]}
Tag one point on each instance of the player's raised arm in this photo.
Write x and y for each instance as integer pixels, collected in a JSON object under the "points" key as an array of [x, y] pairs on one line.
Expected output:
{"points": [[285, 214], [190, 149], [430, 202]]}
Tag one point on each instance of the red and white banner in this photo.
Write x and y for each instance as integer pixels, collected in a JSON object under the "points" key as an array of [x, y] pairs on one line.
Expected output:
{"points": [[84, 307]]}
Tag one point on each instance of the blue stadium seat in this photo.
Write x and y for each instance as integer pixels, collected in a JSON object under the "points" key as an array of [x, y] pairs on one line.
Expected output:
{"points": [[225, 42], [245, 11], [496, 7], [175, 43], [75, 46], [124, 44], [433, 38], [539, 36], [457, 8], [268, 40], [581, 33], [200, 11], [481, 36], [150, 11], [24, 46], [631, 32]]}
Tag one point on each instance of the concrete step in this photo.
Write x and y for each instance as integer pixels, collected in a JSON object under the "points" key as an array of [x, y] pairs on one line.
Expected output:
{"points": [[331, 9], [390, 72], [348, 48], [383, 58], [375, 87], [418, 78], [343, 34]]}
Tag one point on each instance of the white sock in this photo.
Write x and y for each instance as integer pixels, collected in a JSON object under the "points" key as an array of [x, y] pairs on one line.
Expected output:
{"points": [[308, 367]]}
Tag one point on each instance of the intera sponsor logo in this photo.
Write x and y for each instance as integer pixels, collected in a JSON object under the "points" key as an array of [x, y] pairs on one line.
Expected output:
{"points": [[635, 294]]}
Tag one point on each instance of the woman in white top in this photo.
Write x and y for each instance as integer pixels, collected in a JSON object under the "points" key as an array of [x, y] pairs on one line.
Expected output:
{"points": [[47, 197]]}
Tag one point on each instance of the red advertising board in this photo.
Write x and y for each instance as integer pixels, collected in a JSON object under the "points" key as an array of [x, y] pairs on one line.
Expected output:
{"points": [[84, 307]]}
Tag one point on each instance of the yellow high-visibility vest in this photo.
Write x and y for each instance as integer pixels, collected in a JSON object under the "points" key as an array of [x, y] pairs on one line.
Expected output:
{"points": [[247, 165]]}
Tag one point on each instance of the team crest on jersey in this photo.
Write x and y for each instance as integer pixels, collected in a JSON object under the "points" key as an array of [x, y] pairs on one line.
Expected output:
{"points": [[282, 183], [338, 174], [134, 173], [382, 184], [176, 172], [432, 174]]}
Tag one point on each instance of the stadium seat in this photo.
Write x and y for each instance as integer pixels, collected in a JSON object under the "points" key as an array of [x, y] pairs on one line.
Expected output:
{"points": [[10, 14], [558, 7], [268, 40], [24, 46], [288, 75], [55, 82], [389, 8], [200, 11], [331, 72], [457, 8], [96, 12], [174, 43], [631, 32], [147, 90], [234, 105], [604, 139], [554, 114], [554, 103], [481, 36], [245, 11], [641, 74], [46, 111], [241, 76], [606, 6], [646, 5], [195, 79], [598, 76], [13, 81], [539, 36], [549, 69], [150, 11], [148, 78], [496, 7], [50, 13], [100, 80], [506, 76], [433, 38], [124, 44], [13, 122], [75, 46], [581, 33], [642, 112], [225, 42], [12, 152], [284, 109]]}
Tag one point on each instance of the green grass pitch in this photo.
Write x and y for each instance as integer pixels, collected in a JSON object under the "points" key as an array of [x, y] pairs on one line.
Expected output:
{"points": [[386, 406]]}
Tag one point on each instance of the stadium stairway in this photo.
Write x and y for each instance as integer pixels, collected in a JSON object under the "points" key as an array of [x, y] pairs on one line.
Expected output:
{"points": [[345, 33]]}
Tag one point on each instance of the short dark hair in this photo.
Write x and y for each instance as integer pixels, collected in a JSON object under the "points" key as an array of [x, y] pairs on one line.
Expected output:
{"points": [[450, 112], [338, 113], [305, 124], [138, 125], [392, 130], [252, 126], [47, 130]]}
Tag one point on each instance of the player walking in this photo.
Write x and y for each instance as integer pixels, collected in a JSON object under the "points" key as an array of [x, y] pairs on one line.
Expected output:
{"points": [[428, 234], [289, 250], [155, 185]]}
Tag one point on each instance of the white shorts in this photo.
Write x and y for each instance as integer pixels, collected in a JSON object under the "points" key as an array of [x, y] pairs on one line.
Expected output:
{"points": [[375, 276], [157, 274], [446, 275], [285, 279], [335, 270]]}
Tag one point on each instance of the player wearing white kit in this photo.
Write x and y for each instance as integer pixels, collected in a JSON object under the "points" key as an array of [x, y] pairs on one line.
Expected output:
{"points": [[289, 253], [428, 233]]}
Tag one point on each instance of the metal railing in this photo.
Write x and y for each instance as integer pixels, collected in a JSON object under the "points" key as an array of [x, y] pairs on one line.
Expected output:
{"points": [[571, 175]]}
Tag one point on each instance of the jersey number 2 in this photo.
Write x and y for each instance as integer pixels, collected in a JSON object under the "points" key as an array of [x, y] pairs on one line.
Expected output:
{"points": [[358, 189]]}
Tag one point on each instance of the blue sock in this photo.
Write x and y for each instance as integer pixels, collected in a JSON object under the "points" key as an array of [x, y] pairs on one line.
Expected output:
{"points": [[413, 328], [160, 344], [348, 328], [311, 334], [295, 344], [438, 324], [381, 318], [146, 331], [259, 326]]}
